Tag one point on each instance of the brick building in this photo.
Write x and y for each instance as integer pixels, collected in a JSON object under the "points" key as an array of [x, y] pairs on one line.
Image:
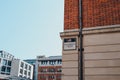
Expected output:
{"points": [[49, 68], [100, 39], [95, 13]]}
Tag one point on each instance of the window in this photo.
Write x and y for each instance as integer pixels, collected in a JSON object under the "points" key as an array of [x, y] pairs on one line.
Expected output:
{"points": [[0, 60], [1, 54], [51, 70], [51, 77], [29, 67], [52, 62], [21, 71], [44, 62], [8, 69], [26, 66], [59, 70], [28, 73], [22, 64], [59, 61], [43, 70], [25, 72], [3, 68], [1, 51], [9, 63], [4, 62], [20, 75]]}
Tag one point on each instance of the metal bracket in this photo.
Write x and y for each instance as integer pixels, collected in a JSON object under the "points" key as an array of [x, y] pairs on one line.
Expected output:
{"points": [[82, 49]]}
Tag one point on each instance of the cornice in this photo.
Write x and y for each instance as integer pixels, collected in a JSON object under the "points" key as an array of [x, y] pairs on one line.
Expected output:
{"points": [[92, 30], [101, 29]]}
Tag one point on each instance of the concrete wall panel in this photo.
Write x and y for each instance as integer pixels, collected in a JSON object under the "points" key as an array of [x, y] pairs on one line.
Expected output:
{"points": [[70, 57], [69, 77], [110, 55], [99, 39], [102, 63], [70, 71], [102, 78], [69, 64], [104, 48], [102, 71]]}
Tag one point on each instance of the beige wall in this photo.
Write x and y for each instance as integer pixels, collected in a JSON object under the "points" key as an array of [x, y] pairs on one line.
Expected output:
{"points": [[101, 55], [70, 62]]}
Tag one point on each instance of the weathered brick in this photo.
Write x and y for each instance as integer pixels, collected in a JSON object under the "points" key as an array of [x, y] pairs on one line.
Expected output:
{"points": [[94, 12]]}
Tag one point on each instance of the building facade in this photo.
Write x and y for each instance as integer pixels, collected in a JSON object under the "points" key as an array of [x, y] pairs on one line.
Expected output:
{"points": [[100, 41], [5, 64], [14, 69], [22, 69], [33, 62], [49, 68]]}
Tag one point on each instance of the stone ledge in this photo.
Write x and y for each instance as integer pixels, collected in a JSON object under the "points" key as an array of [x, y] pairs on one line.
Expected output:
{"points": [[102, 29], [92, 30], [70, 33]]}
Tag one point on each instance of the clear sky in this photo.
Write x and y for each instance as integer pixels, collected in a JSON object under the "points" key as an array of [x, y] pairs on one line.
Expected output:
{"points": [[29, 28]]}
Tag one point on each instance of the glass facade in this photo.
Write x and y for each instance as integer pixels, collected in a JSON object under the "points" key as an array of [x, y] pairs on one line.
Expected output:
{"points": [[5, 62]]}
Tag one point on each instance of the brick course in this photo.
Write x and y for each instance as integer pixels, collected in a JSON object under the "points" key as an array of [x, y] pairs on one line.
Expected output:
{"points": [[71, 15], [95, 13]]}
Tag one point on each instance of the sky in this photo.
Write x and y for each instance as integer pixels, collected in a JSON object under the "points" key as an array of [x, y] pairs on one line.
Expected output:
{"points": [[29, 28]]}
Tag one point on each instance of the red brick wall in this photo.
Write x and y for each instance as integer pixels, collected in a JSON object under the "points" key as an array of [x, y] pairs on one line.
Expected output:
{"points": [[95, 13], [46, 74], [71, 15]]}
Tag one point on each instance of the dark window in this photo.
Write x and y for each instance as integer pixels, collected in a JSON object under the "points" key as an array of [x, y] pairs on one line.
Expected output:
{"points": [[43, 70], [59, 70], [1, 51], [51, 70], [0, 60], [22, 64], [28, 73], [43, 62], [51, 77], [20, 75], [29, 67], [52, 62], [25, 72], [26, 66], [21, 71], [3, 68], [59, 61], [9, 63], [8, 69]]}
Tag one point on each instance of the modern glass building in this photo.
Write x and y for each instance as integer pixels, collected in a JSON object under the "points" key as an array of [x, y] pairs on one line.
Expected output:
{"points": [[15, 69], [5, 64], [22, 69]]}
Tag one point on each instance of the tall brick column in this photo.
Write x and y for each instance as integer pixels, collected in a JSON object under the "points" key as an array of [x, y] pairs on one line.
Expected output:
{"points": [[101, 39]]}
